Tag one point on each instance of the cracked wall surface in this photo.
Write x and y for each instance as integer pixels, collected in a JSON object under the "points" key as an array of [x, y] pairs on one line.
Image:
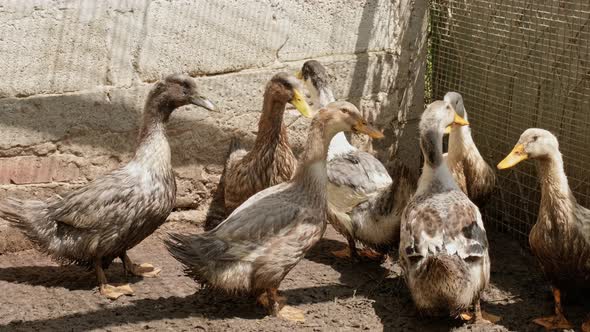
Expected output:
{"points": [[76, 73]]}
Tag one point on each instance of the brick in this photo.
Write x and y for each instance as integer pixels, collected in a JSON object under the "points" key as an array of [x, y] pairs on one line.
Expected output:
{"points": [[30, 170]]}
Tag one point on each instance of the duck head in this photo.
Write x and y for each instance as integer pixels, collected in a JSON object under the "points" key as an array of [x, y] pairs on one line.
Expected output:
{"points": [[456, 101], [315, 79], [437, 116], [343, 116], [534, 143], [175, 91], [287, 89]]}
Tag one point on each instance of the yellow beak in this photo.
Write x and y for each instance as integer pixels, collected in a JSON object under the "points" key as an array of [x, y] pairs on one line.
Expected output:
{"points": [[516, 155], [460, 121], [299, 75], [300, 104], [448, 129], [369, 130]]}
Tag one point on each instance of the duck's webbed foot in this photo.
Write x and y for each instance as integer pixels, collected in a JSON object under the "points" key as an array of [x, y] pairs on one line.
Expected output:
{"points": [[112, 292], [558, 321], [144, 270], [371, 254]]}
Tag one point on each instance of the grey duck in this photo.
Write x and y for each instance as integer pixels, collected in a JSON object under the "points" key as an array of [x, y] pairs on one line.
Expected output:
{"points": [[95, 224]]}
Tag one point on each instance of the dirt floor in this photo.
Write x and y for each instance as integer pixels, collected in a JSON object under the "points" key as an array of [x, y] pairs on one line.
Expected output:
{"points": [[336, 295]]}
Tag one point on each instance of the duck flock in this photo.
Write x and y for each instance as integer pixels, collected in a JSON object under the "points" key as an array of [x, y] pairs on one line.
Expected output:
{"points": [[276, 206]]}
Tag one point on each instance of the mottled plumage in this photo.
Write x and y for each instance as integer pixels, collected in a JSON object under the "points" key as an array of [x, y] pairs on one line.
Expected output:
{"points": [[365, 202], [560, 240], [443, 244], [264, 238], [473, 175], [271, 160], [100, 221]]}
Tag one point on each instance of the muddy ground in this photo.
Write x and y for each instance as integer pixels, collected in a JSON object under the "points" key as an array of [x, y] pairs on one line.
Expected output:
{"points": [[38, 295]]}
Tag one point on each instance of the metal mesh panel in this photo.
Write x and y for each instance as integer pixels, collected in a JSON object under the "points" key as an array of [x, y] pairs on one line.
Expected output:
{"points": [[518, 64]]}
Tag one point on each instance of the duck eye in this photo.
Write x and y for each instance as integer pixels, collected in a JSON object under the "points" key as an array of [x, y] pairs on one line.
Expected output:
{"points": [[535, 138]]}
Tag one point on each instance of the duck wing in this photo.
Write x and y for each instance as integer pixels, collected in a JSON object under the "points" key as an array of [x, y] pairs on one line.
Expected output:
{"points": [[445, 222], [354, 177], [264, 215], [113, 198]]}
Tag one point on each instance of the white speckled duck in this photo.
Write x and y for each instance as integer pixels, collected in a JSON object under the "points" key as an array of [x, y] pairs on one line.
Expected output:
{"points": [[365, 202], [443, 243]]}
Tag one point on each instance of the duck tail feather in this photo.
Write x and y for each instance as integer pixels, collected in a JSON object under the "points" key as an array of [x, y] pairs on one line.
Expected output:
{"points": [[196, 252]]}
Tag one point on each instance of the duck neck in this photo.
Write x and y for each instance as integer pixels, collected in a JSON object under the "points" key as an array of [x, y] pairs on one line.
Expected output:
{"points": [[555, 191], [271, 130], [339, 145], [460, 141], [436, 176], [311, 171], [321, 97], [153, 149]]}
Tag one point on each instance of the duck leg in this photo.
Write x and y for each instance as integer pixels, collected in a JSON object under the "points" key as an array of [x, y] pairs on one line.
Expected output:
{"points": [[144, 270], [347, 252], [558, 321], [276, 306], [110, 291]]}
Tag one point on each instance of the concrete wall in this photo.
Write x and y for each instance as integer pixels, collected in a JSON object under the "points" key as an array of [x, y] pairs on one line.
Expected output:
{"points": [[75, 75]]}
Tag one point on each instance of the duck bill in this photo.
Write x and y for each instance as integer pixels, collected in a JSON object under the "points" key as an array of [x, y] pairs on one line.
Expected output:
{"points": [[448, 129], [460, 121], [204, 103], [300, 104], [516, 155], [299, 75], [366, 129]]}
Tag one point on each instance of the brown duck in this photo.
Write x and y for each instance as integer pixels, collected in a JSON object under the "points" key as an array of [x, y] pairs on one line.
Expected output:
{"points": [[561, 237], [265, 237], [271, 160], [473, 175], [99, 222]]}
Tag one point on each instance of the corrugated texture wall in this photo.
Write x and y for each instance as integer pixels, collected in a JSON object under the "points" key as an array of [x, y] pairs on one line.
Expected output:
{"points": [[518, 64]]}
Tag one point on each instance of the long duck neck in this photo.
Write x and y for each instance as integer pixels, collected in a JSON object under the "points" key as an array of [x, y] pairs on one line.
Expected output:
{"points": [[460, 142], [271, 130], [153, 149], [555, 190], [311, 172], [436, 176]]}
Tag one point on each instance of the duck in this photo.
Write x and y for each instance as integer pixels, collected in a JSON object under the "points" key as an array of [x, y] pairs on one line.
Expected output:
{"points": [[560, 239], [365, 201], [252, 250], [443, 243], [475, 177], [101, 221], [271, 161]]}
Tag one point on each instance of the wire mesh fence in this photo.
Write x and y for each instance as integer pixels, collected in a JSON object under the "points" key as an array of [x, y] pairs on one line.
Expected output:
{"points": [[518, 64]]}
